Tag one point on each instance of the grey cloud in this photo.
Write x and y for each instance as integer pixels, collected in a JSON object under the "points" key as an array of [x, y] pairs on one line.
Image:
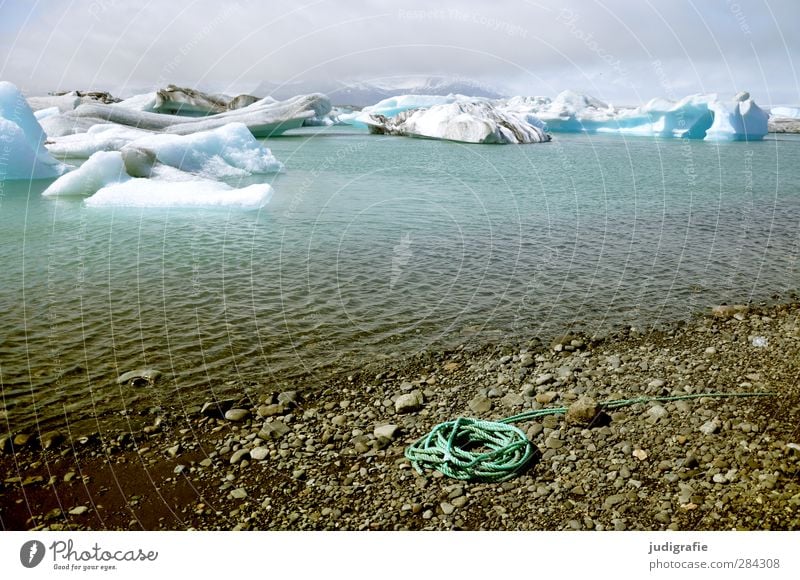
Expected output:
{"points": [[538, 47]]}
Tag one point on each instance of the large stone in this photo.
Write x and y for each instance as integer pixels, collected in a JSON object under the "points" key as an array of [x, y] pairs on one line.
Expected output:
{"points": [[408, 402], [583, 411], [386, 431], [512, 400], [480, 404], [273, 430]]}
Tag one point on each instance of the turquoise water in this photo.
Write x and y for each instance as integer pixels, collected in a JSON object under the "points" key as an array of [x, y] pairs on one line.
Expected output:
{"points": [[374, 246]]}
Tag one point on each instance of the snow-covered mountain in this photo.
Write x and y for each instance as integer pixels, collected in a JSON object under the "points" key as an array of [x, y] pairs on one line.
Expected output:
{"points": [[360, 93]]}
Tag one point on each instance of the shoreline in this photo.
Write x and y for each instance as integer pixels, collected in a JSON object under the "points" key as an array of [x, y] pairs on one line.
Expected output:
{"points": [[285, 462]]}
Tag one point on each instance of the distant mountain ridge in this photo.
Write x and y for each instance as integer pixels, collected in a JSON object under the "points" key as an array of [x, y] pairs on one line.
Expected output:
{"points": [[360, 93]]}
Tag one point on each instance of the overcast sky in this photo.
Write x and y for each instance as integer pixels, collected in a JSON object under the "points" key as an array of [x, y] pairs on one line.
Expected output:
{"points": [[620, 50]]}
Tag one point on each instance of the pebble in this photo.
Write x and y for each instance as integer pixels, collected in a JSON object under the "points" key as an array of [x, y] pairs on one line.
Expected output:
{"points": [[709, 427], [79, 510], [447, 508], [237, 415], [656, 413], [237, 456], [544, 379], [656, 383], [239, 493]]}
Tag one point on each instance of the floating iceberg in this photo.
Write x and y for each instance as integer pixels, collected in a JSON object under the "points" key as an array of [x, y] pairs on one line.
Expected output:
{"points": [[105, 178], [395, 105], [23, 155], [693, 117], [263, 118], [227, 151], [466, 122]]}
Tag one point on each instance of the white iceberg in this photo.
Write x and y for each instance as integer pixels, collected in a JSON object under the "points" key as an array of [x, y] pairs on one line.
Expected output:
{"points": [[23, 155], [693, 117], [227, 151], [465, 122], [104, 177]]}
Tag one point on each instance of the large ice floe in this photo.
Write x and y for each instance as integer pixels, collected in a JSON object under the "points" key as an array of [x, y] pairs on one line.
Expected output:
{"points": [[264, 118], [23, 155], [693, 117], [107, 179], [135, 168], [465, 122]]}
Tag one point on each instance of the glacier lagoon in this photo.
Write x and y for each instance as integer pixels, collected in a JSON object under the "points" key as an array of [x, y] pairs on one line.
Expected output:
{"points": [[376, 246]]}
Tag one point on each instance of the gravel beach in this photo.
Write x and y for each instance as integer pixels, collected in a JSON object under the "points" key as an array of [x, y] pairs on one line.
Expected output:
{"points": [[329, 455]]}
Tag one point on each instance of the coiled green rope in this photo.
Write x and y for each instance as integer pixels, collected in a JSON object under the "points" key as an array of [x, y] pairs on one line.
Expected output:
{"points": [[490, 451]]}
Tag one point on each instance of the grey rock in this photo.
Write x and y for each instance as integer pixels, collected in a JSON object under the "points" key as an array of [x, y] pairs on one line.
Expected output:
{"points": [[259, 453], [512, 400], [657, 412], [544, 379], [656, 383], [239, 493], [526, 360], [614, 500], [273, 430], [408, 402], [271, 410], [237, 415], [288, 398], [480, 404], [386, 431], [447, 508], [709, 427], [237, 456], [582, 412], [614, 361]]}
